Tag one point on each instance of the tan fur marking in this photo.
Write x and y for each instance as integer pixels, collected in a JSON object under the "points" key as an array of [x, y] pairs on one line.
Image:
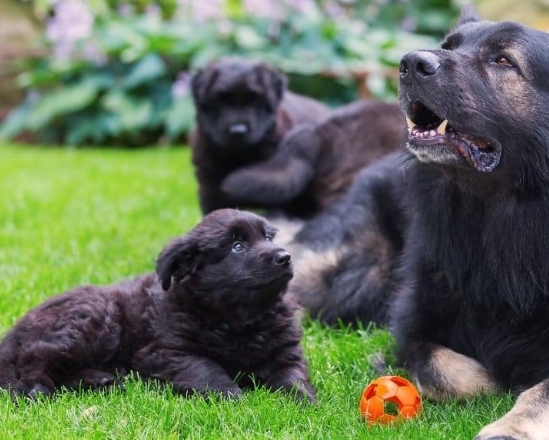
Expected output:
{"points": [[309, 267], [527, 420], [287, 230], [458, 376]]}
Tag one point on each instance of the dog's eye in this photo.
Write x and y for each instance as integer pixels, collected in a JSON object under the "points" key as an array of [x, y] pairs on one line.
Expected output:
{"points": [[238, 247], [503, 61]]}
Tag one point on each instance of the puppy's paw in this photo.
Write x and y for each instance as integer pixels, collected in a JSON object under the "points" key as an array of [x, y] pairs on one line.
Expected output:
{"points": [[232, 393], [251, 186], [229, 393], [33, 391], [304, 392], [93, 380]]}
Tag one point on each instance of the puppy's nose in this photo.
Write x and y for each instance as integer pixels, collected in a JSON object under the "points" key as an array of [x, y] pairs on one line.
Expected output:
{"points": [[238, 129], [418, 64], [282, 258]]}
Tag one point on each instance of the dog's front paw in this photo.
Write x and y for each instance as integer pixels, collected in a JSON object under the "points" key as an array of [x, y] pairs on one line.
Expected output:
{"points": [[508, 429]]}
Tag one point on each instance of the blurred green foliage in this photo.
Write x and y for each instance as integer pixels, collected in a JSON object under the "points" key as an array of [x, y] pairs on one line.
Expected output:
{"points": [[113, 73]]}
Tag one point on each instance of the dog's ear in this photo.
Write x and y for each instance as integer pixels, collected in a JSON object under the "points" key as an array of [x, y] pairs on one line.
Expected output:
{"points": [[274, 81], [176, 261], [468, 14]]}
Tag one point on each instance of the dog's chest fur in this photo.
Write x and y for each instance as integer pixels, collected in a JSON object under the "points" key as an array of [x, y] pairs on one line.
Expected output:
{"points": [[483, 276]]}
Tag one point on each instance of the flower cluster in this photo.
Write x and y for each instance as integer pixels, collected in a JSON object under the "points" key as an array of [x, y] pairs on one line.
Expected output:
{"points": [[200, 11], [182, 85], [70, 31]]}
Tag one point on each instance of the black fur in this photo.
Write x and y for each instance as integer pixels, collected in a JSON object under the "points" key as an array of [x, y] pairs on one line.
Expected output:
{"points": [[213, 319], [243, 112], [317, 162]]}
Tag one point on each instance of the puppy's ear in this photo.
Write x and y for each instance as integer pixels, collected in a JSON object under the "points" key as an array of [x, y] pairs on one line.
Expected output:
{"points": [[202, 81], [468, 14], [177, 260], [275, 82], [197, 82]]}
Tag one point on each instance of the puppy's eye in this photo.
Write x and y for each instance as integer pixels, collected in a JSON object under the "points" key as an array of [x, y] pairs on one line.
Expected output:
{"points": [[269, 237], [238, 247]]}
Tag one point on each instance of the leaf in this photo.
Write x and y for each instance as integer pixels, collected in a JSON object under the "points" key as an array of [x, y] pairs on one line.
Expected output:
{"points": [[246, 37], [15, 123], [147, 69], [180, 117], [132, 113], [61, 102]]}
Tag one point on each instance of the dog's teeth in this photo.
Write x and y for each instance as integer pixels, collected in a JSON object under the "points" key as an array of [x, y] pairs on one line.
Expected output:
{"points": [[432, 133], [441, 129], [410, 123]]}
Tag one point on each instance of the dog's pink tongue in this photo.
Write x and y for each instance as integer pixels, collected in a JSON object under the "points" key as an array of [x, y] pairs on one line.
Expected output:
{"points": [[481, 160]]}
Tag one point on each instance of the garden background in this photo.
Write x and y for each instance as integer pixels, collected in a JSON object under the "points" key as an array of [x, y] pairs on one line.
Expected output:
{"points": [[107, 77], [111, 72]]}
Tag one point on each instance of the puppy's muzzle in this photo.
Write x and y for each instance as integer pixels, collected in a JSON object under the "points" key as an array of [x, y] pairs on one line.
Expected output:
{"points": [[282, 258], [238, 129]]}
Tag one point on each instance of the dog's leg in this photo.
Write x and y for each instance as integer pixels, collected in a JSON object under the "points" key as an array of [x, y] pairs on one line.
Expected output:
{"points": [[527, 420], [441, 373]]}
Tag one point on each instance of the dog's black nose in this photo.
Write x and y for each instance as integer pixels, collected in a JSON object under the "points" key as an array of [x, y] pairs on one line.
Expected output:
{"points": [[420, 63], [282, 258], [238, 129]]}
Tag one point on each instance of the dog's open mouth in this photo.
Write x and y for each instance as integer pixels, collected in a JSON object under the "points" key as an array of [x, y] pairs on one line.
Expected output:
{"points": [[427, 132]]}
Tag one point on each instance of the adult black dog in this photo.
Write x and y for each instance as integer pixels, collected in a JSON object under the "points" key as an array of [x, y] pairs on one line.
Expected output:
{"points": [[213, 319], [243, 111], [448, 243], [317, 162]]}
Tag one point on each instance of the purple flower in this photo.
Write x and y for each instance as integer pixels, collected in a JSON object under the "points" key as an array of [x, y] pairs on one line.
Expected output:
{"points": [[182, 85], [270, 9], [334, 9], [305, 7], [125, 9], [200, 11], [153, 12], [72, 22]]}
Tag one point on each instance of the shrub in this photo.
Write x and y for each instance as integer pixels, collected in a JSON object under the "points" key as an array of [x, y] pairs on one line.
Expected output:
{"points": [[118, 73]]}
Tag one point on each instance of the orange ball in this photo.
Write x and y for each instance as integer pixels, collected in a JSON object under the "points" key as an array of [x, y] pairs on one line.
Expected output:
{"points": [[389, 399]]}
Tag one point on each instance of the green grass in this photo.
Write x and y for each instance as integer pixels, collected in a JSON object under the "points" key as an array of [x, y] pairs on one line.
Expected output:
{"points": [[69, 217]]}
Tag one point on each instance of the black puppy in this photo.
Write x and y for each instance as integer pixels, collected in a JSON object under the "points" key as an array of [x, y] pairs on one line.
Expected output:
{"points": [[448, 243], [213, 319], [243, 111], [317, 162]]}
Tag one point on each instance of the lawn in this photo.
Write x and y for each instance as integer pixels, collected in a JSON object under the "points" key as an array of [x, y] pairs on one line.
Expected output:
{"points": [[70, 217]]}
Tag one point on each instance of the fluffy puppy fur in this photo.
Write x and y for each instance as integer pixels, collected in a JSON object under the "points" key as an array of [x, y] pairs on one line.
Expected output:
{"points": [[317, 162], [243, 111], [212, 319], [462, 215]]}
